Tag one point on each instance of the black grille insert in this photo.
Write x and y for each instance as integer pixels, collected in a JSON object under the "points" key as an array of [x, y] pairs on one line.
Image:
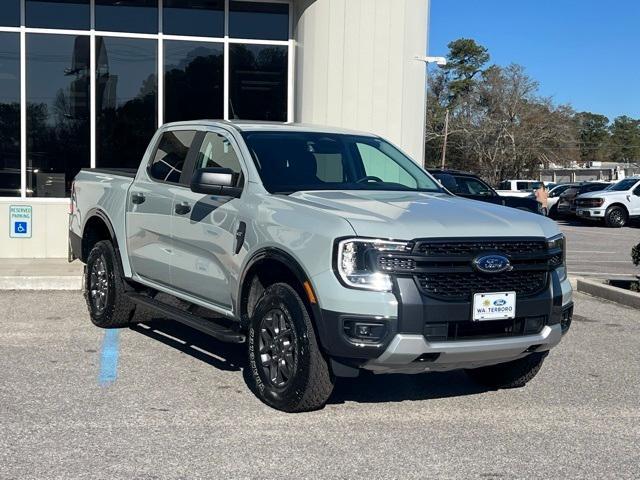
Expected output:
{"points": [[449, 249], [464, 285], [479, 330]]}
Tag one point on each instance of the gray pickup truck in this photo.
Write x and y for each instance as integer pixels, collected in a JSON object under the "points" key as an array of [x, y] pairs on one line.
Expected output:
{"points": [[326, 252]]}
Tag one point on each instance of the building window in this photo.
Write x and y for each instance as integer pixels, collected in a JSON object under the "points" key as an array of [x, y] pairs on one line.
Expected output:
{"points": [[259, 20], [193, 80], [9, 115], [61, 14], [10, 13], [200, 18], [126, 99], [258, 82], [57, 112], [139, 16]]}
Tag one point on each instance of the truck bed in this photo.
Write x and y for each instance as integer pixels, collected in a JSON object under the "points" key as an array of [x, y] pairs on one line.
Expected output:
{"points": [[120, 172]]}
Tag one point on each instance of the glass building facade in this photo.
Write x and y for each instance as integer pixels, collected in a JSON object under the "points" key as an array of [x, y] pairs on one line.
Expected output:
{"points": [[85, 83]]}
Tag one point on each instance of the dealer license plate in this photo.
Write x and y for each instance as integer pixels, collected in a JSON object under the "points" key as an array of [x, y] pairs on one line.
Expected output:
{"points": [[494, 306]]}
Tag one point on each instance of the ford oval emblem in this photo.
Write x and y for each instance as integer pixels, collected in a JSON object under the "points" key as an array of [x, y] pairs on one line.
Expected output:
{"points": [[492, 264], [500, 303]]}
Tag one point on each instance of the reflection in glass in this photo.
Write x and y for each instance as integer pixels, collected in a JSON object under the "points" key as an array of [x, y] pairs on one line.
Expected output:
{"points": [[200, 18], [126, 99], [10, 13], [69, 14], [258, 20], [58, 84], [258, 82], [140, 16], [194, 80], [9, 115]]}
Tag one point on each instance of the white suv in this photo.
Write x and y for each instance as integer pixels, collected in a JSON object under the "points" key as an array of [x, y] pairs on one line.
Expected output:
{"points": [[615, 205]]}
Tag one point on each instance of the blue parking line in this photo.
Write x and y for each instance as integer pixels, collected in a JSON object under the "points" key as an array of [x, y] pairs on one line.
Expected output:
{"points": [[109, 357]]}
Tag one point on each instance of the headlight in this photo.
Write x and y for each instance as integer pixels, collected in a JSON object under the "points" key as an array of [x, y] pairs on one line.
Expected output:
{"points": [[355, 263], [590, 202], [557, 247]]}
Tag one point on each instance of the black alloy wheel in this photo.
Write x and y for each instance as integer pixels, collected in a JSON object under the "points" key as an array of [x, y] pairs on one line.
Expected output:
{"points": [[99, 285], [277, 346], [616, 217]]}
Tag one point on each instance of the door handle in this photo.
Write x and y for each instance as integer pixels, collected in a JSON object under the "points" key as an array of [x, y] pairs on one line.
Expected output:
{"points": [[182, 208], [137, 198]]}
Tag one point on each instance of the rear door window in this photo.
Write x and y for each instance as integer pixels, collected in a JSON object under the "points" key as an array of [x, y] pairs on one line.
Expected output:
{"points": [[171, 154]]}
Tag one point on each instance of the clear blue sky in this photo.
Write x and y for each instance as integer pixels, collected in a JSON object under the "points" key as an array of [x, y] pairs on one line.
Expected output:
{"points": [[582, 52]]}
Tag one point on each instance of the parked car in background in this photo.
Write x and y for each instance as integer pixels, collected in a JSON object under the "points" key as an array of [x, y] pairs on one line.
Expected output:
{"points": [[615, 205], [567, 202], [520, 188], [470, 186], [554, 196]]}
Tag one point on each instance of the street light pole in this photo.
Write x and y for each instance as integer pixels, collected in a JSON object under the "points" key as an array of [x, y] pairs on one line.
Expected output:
{"points": [[446, 138]]}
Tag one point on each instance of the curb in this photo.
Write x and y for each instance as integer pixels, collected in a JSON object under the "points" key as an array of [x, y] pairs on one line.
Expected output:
{"points": [[607, 292], [68, 282]]}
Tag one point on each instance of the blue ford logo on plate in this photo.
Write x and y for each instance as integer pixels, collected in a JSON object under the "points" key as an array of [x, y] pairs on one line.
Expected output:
{"points": [[492, 264], [500, 303]]}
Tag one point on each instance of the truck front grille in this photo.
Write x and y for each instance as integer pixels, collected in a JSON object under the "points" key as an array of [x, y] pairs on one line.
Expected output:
{"points": [[464, 285], [452, 249], [440, 332]]}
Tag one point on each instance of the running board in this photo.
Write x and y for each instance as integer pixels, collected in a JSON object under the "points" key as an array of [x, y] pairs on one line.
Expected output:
{"points": [[207, 327]]}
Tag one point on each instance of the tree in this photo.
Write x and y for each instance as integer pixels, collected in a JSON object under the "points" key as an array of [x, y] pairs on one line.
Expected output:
{"points": [[465, 61], [593, 136], [625, 139]]}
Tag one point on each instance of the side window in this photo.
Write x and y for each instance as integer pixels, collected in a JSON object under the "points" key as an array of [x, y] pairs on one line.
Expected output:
{"points": [[637, 191], [471, 186], [217, 152], [171, 154], [378, 164], [522, 185]]}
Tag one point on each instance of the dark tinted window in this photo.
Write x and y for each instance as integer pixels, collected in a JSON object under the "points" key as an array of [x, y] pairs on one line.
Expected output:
{"points": [[258, 20], [10, 13], [258, 82], [594, 187], [9, 115], [126, 100], [57, 112], [171, 154], [293, 161], [194, 80], [623, 185], [473, 186], [217, 152], [202, 18], [70, 14], [140, 16]]}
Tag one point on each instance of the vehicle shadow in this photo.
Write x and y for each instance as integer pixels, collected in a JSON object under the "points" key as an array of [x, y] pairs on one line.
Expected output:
{"points": [[367, 388]]}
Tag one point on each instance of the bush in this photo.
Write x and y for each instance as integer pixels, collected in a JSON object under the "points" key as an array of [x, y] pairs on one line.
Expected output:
{"points": [[635, 255]]}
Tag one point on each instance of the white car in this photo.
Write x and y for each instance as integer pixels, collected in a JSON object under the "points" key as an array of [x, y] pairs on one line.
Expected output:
{"points": [[520, 188], [615, 205]]}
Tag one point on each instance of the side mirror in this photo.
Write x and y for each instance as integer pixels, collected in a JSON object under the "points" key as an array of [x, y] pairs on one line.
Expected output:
{"points": [[215, 181]]}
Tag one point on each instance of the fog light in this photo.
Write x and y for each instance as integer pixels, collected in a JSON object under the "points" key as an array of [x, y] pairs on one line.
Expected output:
{"points": [[368, 332]]}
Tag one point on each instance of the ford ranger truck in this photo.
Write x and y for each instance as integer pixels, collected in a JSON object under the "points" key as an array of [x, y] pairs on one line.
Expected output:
{"points": [[614, 206], [326, 252]]}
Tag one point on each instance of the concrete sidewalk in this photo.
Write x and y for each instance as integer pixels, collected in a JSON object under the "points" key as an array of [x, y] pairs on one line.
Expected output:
{"points": [[40, 274]]}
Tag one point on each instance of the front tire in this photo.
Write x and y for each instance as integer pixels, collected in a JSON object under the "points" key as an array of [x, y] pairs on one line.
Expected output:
{"points": [[288, 370], [616, 217], [104, 288], [513, 374]]}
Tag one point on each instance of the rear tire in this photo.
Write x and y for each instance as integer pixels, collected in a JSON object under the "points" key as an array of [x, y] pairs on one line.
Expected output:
{"points": [[513, 374], [616, 217], [104, 288], [288, 370]]}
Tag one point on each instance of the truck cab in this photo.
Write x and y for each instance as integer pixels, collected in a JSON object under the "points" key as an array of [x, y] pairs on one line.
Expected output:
{"points": [[325, 252]]}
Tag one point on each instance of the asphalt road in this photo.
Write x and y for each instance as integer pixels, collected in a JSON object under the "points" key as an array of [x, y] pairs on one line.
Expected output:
{"points": [[596, 251], [165, 403]]}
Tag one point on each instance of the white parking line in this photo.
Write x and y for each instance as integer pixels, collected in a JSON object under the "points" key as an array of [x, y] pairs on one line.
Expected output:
{"points": [[601, 274], [590, 251]]}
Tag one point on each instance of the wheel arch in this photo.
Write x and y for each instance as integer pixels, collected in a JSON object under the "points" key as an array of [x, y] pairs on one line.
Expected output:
{"points": [[98, 227], [271, 265], [618, 204]]}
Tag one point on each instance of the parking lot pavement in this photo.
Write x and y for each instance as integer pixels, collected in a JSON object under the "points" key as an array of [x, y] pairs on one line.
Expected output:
{"points": [[597, 251], [163, 402]]}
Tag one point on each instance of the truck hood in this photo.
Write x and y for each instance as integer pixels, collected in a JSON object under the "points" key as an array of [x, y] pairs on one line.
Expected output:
{"points": [[604, 194], [409, 215]]}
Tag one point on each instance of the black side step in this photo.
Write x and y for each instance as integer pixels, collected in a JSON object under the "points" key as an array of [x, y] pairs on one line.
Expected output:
{"points": [[208, 327]]}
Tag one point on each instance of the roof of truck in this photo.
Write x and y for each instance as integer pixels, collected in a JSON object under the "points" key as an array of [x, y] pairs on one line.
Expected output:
{"points": [[256, 126]]}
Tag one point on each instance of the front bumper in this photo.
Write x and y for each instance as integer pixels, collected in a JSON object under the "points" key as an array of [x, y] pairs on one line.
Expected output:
{"points": [[591, 213], [407, 346]]}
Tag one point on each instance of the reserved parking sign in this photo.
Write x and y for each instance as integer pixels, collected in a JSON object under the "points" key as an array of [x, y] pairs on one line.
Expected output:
{"points": [[20, 221]]}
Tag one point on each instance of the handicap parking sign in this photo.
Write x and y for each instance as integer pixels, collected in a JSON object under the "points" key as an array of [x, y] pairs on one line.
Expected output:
{"points": [[20, 221]]}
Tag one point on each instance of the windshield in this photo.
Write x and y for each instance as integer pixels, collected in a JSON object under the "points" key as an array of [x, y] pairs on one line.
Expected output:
{"points": [[289, 162], [623, 185]]}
